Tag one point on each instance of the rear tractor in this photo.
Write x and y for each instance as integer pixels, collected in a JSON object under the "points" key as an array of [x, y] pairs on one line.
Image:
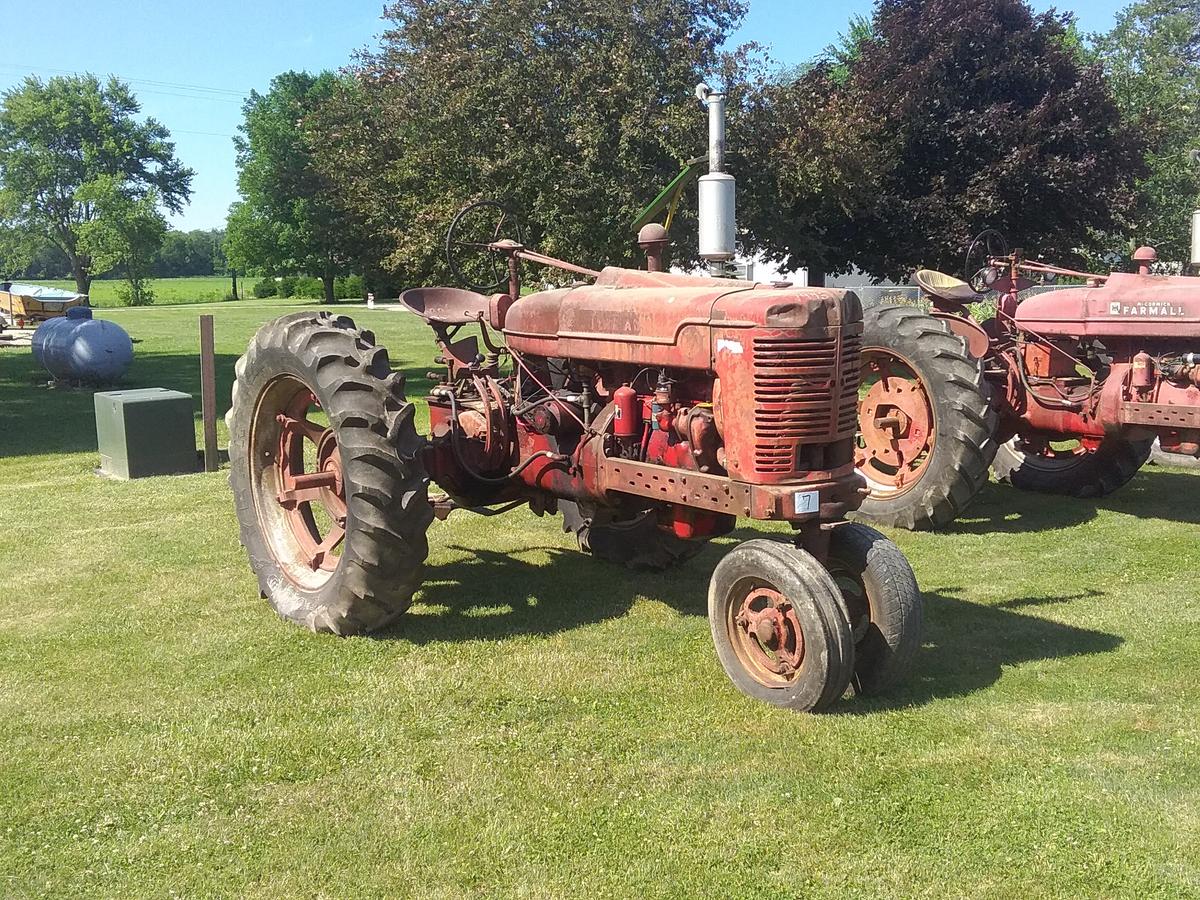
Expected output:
{"points": [[649, 410], [1062, 392]]}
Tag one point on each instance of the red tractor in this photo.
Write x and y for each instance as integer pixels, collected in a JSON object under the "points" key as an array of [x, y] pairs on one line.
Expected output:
{"points": [[1062, 392], [649, 409]]}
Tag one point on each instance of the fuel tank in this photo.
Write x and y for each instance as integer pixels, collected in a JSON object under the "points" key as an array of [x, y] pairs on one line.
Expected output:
{"points": [[1127, 305], [663, 319]]}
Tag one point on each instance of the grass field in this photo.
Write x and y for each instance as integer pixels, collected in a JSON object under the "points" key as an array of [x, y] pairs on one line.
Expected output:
{"points": [[167, 291], [543, 725]]}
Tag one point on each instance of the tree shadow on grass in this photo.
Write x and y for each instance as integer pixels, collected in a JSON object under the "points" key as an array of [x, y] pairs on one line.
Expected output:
{"points": [[492, 596], [37, 419]]}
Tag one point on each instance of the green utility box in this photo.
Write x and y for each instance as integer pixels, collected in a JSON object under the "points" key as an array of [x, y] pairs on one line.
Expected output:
{"points": [[147, 431]]}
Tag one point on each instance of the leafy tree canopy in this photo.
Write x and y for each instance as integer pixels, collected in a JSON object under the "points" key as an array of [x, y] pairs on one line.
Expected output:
{"points": [[196, 252], [126, 232], [288, 219], [1152, 57], [941, 118], [67, 143], [576, 113]]}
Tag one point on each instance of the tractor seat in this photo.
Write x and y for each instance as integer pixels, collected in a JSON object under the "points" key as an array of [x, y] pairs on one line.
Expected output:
{"points": [[944, 287], [446, 305]]}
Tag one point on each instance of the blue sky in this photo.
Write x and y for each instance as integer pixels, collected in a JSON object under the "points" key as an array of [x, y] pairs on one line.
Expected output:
{"points": [[190, 63]]}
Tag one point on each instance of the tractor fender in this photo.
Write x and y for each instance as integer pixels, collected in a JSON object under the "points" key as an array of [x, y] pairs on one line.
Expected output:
{"points": [[977, 340]]}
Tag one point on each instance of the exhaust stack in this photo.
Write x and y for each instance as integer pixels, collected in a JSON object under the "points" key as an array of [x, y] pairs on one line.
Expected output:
{"points": [[1196, 242], [718, 231]]}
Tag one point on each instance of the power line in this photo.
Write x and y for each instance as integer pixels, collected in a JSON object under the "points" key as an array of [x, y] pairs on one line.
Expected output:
{"points": [[208, 133], [189, 96], [227, 95]]}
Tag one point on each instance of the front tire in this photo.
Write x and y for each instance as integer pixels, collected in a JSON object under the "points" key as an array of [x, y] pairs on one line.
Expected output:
{"points": [[339, 549], [1073, 473], [780, 627], [926, 426], [884, 604]]}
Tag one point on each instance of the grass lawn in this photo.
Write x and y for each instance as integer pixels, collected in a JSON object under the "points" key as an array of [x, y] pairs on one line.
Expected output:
{"points": [[544, 725], [167, 291]]}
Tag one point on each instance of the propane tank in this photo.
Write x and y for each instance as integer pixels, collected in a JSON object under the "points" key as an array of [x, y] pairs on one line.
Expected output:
{"points": [[627, 420], [43, 334], [718, 230], [77, 349]]}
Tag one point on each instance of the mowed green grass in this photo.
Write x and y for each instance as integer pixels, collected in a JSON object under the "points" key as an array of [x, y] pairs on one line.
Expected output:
{"points": [[544, 725], [167, 291]]}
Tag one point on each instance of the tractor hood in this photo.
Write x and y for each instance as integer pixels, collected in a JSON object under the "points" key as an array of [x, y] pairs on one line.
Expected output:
{"points": [[663, 319], [1152, 306]]}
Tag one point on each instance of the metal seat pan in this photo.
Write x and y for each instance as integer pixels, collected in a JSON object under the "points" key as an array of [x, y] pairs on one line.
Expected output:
{"points": [[947, 287], [447, 305]]}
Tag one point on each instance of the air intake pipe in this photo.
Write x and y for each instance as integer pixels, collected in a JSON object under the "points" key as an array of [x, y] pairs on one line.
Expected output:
{"points": [[1194, 155], [1196, 242], [718, 233]]}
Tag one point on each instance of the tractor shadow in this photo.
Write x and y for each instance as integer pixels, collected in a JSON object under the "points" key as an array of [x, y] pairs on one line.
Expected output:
{"points": [[491, 596], [967, 646], [1154, 493]]}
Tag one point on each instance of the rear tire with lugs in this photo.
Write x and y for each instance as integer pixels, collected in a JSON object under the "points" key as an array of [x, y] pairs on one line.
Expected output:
{"points": [[926, 448], [1096, 474], [372, 446]]}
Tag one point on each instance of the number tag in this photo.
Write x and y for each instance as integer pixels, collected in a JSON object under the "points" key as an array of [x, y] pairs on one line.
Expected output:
{"points": [[807, 502]]}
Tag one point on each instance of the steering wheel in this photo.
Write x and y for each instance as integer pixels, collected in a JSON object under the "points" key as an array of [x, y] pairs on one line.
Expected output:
{"points": [[977, 270], [474, 229]]}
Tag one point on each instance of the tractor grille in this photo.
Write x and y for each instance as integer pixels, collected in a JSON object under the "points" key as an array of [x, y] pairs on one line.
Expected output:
{"points": [[805, 392]]}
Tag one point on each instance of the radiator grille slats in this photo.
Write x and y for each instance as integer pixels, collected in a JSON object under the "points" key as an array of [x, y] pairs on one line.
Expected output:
{"points": [[805, 392]]}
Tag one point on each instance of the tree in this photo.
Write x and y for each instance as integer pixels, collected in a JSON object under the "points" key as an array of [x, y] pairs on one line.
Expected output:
{"points": [[64, 140], [948, 117], [126, 233], [1152, 57], [16, 253], [48, 261], [184, 253], [849, 48], [574, 113], [288, 220]]}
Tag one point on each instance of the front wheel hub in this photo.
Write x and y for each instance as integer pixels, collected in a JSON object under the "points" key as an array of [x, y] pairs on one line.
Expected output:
{"points": [[770, 639]]}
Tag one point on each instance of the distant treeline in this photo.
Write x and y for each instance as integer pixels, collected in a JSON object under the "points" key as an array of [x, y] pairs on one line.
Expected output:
{"points": [[182, 253]]}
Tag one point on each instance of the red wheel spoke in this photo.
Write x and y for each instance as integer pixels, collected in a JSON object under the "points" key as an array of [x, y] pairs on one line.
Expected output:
{"points": [[336, 506], [885, 372], [307, 487], [312, 430], [323, 558], [310, 496], [303, 428]]}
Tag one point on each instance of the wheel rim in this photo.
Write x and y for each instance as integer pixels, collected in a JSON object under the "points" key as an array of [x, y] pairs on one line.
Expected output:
{"points": [[298, 484], [896, 424], [765, 633]]}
